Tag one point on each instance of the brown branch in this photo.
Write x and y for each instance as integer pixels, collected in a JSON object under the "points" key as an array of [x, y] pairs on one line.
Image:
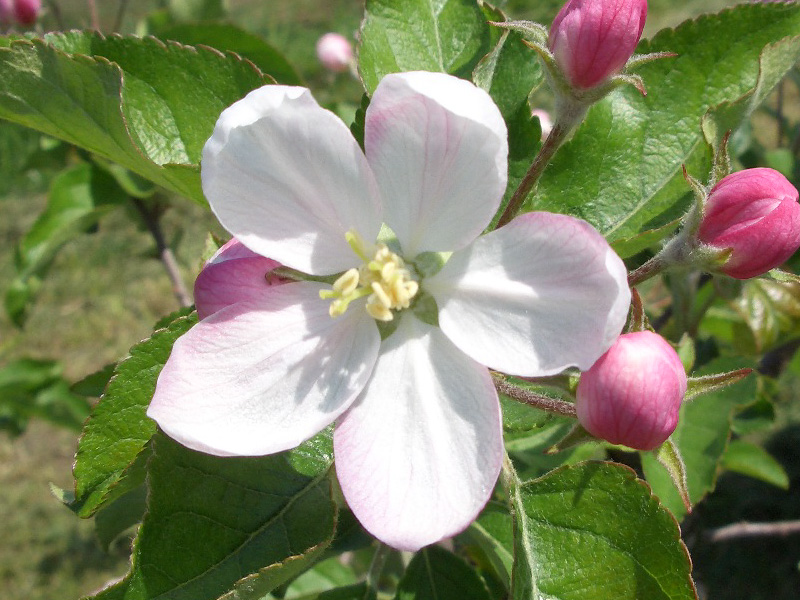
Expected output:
{"points": [[553, 142], [744, 529], [165, 253], [123, 4], [95, 17], [551, 405]]}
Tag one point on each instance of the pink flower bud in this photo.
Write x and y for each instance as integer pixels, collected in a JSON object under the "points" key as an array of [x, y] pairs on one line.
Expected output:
{"points": [[5, 12], [632, 394], [27, 11], [335, 52], [593, 39], [755, 214]]}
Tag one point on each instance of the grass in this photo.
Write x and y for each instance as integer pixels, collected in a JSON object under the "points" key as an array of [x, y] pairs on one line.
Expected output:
{"points": [[104, 293]]}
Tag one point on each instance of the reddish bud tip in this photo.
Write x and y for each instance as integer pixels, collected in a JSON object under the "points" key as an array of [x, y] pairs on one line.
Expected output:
{"points": [[27, 11], [632, 394], [755, 214], [593, 39], [335, 52]]}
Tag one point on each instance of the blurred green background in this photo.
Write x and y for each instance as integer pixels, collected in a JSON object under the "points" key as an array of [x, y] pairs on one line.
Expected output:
{"points": [[105, 291]]}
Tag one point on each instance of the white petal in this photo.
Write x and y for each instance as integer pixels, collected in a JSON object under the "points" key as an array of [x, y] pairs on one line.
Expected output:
{"points": [[258, 378], [541, 294], [419, 452], [438, 147], [286, 177]]}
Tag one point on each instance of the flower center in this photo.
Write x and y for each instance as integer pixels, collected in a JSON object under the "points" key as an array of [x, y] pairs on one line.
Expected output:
{"points": [[383, 277]]}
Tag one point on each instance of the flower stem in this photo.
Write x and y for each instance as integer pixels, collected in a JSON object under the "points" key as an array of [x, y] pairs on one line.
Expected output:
{"points": [[551, 405], [652, 267], [553, 142], [376, 566]]}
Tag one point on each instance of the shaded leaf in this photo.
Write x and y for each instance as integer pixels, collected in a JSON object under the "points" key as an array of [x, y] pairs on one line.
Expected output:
{"points": [[437, 573], [230, 527], [593, 531], [752, 460]]}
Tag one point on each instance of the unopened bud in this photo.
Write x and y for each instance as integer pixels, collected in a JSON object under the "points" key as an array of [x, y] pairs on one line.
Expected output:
{"points": [[632, 394], [593, 39], [6, 11], [754, 214], [335, 52], [27, 11]]}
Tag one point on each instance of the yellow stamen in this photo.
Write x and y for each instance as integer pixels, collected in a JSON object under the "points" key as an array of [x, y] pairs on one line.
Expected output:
{"points": [[383, 277]]}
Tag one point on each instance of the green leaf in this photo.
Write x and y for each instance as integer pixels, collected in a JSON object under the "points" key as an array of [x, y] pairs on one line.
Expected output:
{"points": [[229, 38], [113, 519], [196, 10], [147, 105], [753, 461], [491, 535], [668, 455], [360, 591], [234, 528], [31, 388], [509, 73], [593, 531], [79, 198], [446, 36], [622, 169], [437, 573], [118, 432], [326, 575], [702, 434], [776, 60]]}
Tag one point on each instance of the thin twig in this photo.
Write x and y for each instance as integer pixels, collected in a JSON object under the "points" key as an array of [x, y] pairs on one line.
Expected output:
{"points": [[123, 5], [55, 10], [165, 253], [553, 142], [744, 529], [95, 17], [551, 405]]}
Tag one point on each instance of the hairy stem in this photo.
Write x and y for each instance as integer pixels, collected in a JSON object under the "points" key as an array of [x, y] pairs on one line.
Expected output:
{"points": [[551, 405], [123, 5], [165, 253], [93, 15]]}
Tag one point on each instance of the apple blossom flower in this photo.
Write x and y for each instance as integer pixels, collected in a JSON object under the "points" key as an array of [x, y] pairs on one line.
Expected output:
{"points": [[755, 214], [633, 393], [335, 52], [377, 339], [27, 11], [593, 39]]}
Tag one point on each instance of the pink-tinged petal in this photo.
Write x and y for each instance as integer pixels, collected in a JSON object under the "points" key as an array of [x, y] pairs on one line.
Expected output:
{"points": [[258, 378], [438, 147], [239, 280], [231, 250], [541, 294], [419, 452], [287, 179]]}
